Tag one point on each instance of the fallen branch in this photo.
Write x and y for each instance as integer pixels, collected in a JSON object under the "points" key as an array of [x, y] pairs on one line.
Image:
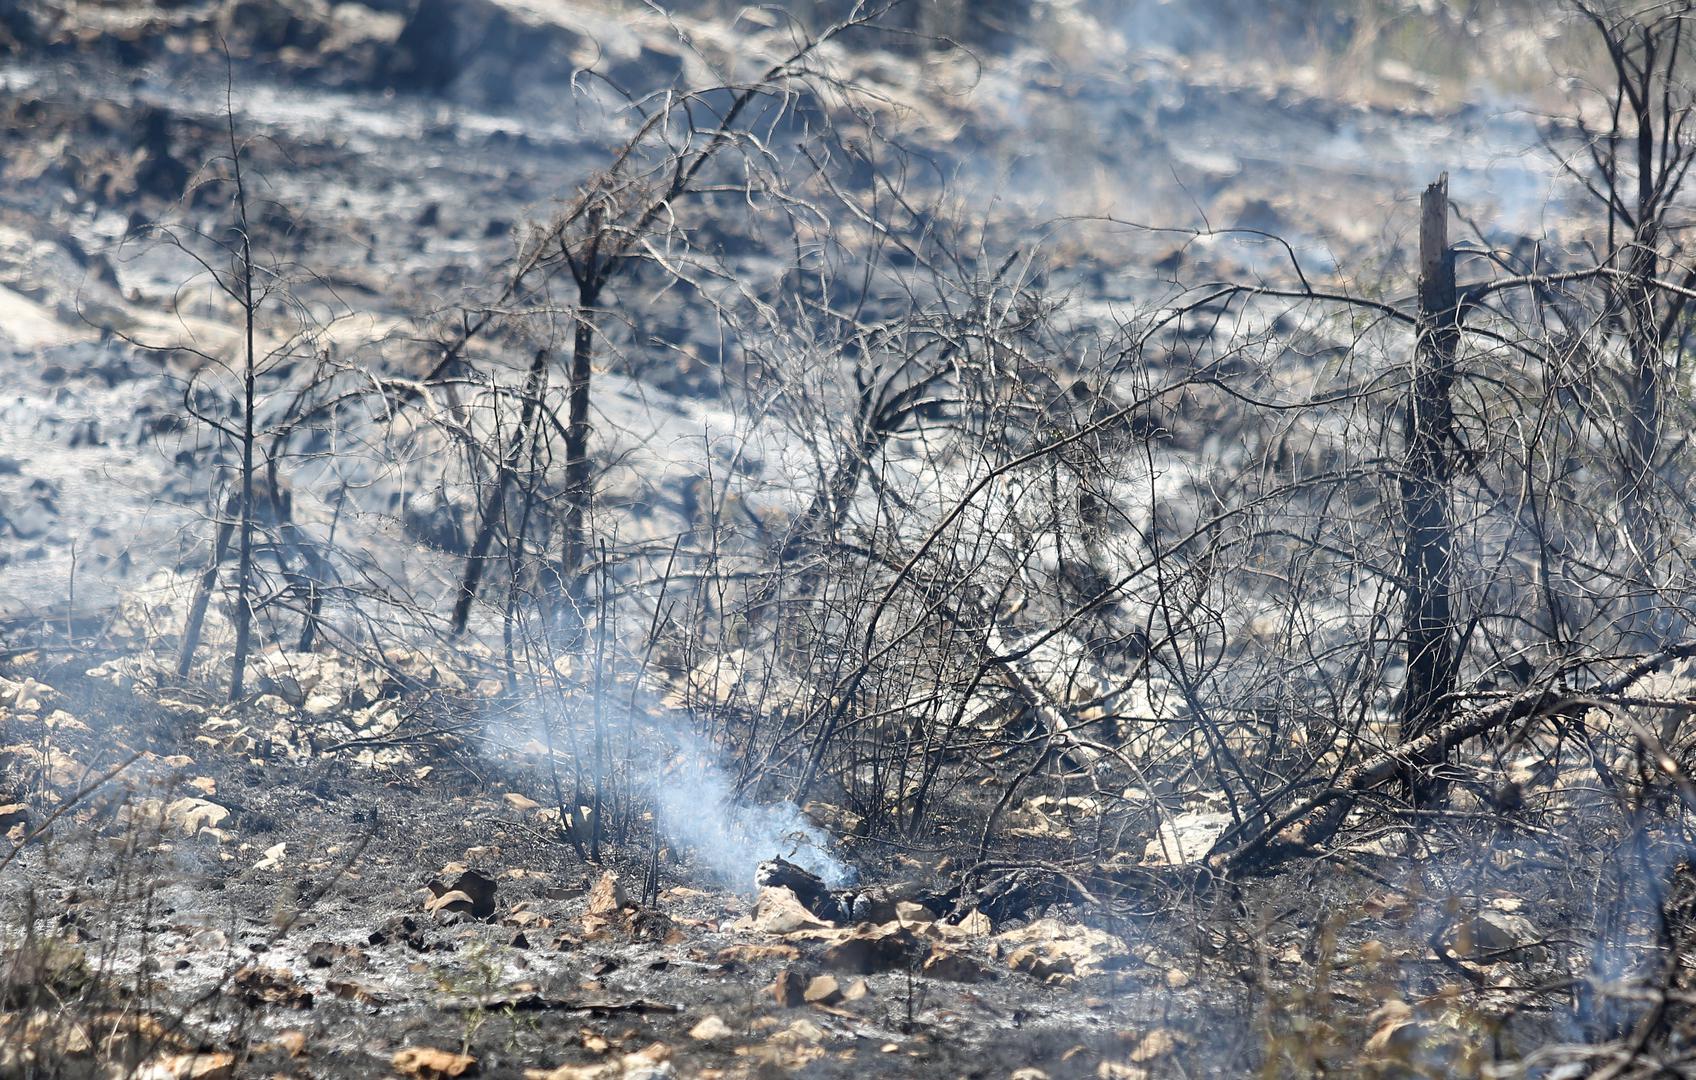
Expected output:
{"points": [[1311, 823], [543, 1003]]}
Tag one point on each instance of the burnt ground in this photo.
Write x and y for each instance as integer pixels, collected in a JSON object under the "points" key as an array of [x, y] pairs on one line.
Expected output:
{"points": [[291, 930], [279, 924], [167, 924]]}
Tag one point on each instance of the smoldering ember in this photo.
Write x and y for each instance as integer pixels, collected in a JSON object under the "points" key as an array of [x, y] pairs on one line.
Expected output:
{"points": [[1024, 539]]}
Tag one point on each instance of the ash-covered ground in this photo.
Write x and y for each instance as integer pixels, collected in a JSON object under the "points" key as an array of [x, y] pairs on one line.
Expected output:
{"points": [[436, 849]]}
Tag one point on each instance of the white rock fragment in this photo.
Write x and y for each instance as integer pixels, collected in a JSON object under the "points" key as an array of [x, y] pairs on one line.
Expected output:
{"points": [[1186, 838]]}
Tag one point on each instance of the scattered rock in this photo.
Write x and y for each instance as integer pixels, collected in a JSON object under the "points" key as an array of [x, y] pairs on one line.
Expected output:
{"points": [[751, 954], [1156, 1044], [470, 895], [190, 815], [789, 989], [428, 1063], [1186, 838], [271, 986], [710, 1029], [822, 990], [953, 967], [13, 815], [219, 1065], [1492, 932], [652, 1063], [871, 949], [1049, 947], [780, 911], [607, 896], [274, 857]]}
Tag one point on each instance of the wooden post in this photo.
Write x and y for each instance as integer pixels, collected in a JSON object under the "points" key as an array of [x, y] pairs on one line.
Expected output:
{"points": [[1426, 471]]}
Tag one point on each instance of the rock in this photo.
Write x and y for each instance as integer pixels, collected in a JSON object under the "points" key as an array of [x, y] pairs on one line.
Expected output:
{"points": [[1186, 838], [650, 1064], [976, 924], [953, 967], [750, 954], [1492, 932], [869, 950], [358, 992], [13, 815], [607, 896], [855, 990], [401, 928], [428, 1063], [710, 1029], [271, 986], [190, 815], [521, 803], [822, 990], [274, 857], [779, 911], [218, 1065], [788, 989], [470, 894], [1156, 1044], [1050, 947]]}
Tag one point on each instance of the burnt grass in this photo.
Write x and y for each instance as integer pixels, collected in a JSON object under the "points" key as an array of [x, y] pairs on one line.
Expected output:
{"points": [[294, 934], [328, 963], [429, 981]]}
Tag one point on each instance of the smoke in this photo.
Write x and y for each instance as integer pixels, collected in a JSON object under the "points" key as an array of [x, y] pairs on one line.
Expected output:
{"points": [[694, 800], [695, 807]]}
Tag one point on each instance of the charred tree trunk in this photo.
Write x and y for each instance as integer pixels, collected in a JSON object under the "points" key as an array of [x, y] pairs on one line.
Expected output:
{"points": [[250, 375], [1426, 470], [478, 558], [203, 589], [578, 481]]}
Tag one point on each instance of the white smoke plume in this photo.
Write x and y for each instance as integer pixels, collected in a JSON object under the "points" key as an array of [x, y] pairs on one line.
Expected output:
{"points": [[696, 807], [695, 803]]}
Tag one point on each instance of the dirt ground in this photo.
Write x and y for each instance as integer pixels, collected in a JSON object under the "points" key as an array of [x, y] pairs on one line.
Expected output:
{"points": [[222, 896]]}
